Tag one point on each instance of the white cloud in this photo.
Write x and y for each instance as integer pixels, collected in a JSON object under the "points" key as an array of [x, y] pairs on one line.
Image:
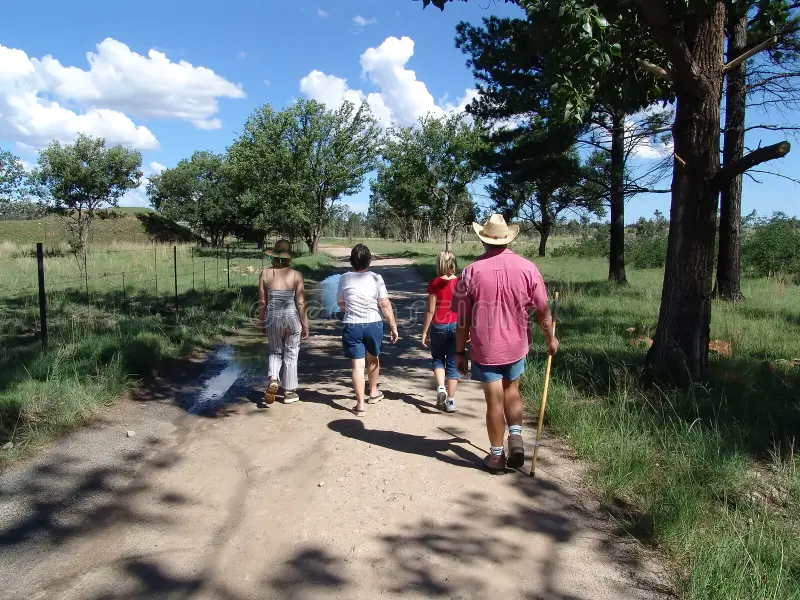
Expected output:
{"points": [[401, 98], [156, 167], [42, 100], [151, 86], [242, 55], [32, 121], [363, 22], [322, 14], [137, 196], [267, 82]]}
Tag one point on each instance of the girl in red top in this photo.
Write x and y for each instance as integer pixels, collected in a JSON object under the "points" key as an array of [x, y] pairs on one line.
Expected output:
{"points": [[440, 326]]}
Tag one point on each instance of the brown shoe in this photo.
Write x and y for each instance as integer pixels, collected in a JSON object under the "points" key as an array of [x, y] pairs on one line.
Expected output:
{"points": [[495, 464], [272, 389], [516, 452]]}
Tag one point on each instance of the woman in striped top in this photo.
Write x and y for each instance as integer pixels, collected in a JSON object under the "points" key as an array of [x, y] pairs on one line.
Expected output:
{"points": [[282, 312]]}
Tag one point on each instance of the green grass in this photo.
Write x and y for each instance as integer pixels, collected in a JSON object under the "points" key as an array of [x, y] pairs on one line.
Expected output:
{"points": [[131, 226], [708, 473], [103, 344]]}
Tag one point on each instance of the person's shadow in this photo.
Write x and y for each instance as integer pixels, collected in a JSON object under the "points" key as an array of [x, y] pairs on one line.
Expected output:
{"points": [[409, 444]]}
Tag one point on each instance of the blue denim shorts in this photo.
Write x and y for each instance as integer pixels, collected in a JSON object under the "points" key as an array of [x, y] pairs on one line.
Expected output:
{"points": [[491, 373], [359, 338], [443, 349]]}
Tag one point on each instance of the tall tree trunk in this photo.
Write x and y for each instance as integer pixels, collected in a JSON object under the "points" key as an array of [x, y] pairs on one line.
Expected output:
{"points": [[682, 335], [730, 211], [544, 232], [616, 256]]}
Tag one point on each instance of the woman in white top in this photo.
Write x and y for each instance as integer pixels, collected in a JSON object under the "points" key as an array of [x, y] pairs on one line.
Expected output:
{"points": [[363, 297]]}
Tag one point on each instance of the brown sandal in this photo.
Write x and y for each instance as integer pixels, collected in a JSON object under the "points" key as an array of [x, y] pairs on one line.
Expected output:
{"points": [[272, 390]]}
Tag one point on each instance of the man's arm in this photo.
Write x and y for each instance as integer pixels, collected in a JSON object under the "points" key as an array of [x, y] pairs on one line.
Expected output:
{"points": [[545, 319]]}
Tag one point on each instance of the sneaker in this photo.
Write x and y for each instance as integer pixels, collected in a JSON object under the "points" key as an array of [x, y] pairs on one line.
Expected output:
{"points": [[272, 389], [516, 452], [441, 399], [290, 397], [495, 464], [450, 405]]}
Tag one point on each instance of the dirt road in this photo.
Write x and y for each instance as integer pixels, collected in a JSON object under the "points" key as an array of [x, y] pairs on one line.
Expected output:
{"points": [[217, 498]]}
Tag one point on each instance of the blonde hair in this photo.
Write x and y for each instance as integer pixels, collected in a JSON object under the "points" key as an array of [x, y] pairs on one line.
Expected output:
{"points": [[446, 264]]}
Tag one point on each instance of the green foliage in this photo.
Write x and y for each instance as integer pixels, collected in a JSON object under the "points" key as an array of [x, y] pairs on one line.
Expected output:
{"points": [[197, 190], [293, 167], [75, 180], [425, 174], [773, 248]]}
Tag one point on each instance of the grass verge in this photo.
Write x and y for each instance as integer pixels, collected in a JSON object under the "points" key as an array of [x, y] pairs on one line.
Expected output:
{"points": [[98, 349], [708, 474]]}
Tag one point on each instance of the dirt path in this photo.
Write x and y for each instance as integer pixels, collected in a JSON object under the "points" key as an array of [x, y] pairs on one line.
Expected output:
{"points": [[304, 501]]}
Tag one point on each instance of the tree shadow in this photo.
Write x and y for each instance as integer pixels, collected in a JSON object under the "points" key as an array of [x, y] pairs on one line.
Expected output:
{"points": [[163, 230]]}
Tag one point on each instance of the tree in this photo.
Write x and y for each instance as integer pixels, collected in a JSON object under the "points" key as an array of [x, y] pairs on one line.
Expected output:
{"points": [[77, 179], [15, 189], [691, 35], [197, 190], [428, 169], [298, 163], [517, 71], [749, 23], [541, 191]]}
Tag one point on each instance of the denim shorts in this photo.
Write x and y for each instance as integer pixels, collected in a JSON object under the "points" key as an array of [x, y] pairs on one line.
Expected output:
{"points": [[491, 373], [443, 349], [359, 338]]}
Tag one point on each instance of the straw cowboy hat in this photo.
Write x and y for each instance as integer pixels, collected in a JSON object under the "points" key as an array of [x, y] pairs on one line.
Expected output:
{"points": [[281, 250], [496, 232]]}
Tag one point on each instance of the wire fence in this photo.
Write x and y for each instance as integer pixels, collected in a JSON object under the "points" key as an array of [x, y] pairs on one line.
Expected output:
{"points": [[159, 279]]}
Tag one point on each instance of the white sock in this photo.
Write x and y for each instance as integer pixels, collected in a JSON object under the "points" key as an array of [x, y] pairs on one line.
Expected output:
{"points": [[515, 430], [441, 388]]}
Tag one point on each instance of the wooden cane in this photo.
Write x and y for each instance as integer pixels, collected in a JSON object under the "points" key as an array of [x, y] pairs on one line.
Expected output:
{"points": [[544, 392]]}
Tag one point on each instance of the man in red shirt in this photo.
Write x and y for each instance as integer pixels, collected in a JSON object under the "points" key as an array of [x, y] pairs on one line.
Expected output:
{"points": [[492, 299]]}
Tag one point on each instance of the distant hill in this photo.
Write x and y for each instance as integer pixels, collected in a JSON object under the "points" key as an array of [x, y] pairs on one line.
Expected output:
{"points": [[126, 225]]}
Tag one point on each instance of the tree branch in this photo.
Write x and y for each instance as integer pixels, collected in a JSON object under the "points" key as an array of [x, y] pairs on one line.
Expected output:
{"points": [[772, 128], [754, 158], [684, 67], [772, 78], [752, 52]]}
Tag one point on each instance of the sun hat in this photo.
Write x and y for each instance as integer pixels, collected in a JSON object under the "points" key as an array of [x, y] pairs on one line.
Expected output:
{"points": [[496, 232], [280, 250]]}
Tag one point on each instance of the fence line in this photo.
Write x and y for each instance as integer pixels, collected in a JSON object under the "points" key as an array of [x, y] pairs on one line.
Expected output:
{"points": [[131, 290]]}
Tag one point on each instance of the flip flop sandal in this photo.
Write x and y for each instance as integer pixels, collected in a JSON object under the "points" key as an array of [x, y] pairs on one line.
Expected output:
{"points": [[375, 399], [269, 395], [359, 413]]}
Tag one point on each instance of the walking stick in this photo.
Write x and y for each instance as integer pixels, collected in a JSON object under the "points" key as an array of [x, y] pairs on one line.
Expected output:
{"points": [[544, 392]]}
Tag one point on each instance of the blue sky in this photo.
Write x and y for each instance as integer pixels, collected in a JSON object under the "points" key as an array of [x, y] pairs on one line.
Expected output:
{"points": [[172, 77]]}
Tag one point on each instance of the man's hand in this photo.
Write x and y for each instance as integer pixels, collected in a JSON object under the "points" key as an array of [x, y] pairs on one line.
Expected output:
{"points": [[552, 345], [395, 335], [462, 364], [304, 332]]}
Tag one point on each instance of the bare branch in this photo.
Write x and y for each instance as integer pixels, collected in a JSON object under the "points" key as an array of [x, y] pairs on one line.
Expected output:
{"points": [[776, 174], [773, 127], [770, 79], [748, 161], [752, 52]]}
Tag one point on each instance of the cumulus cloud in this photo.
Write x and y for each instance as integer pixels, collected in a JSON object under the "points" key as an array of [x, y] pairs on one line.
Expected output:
{"points": [[322, 14], [401, 99], [363, 21], [42, 99], [156, 167], [242, 55]]}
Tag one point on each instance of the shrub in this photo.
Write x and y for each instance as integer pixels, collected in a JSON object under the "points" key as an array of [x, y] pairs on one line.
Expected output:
{"points": [[646, 252], [773, 248], [592, 244]]}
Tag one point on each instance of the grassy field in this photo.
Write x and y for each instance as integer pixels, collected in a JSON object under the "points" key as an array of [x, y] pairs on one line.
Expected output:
{"points": [[708, 474], [103, 343], [130, 226]]}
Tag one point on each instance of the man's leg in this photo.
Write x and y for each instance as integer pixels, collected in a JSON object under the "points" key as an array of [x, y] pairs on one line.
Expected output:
{"points": [[495, 415], [358, 382], [374, 370], [512, 407]]}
